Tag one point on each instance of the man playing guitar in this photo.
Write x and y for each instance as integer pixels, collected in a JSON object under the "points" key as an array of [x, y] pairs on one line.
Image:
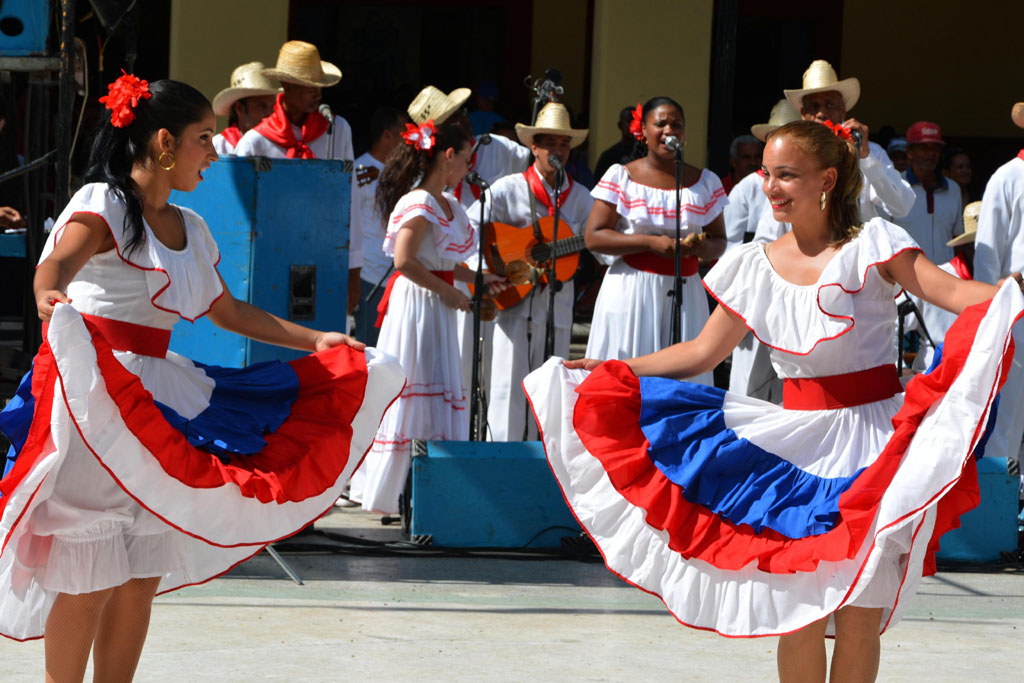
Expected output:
{"points": [[524, 202]]}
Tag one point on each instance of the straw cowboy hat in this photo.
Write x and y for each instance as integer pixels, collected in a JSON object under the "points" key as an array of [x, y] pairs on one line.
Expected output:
{"points": [[782, 113], [299, 62], [246, 81], [553, 119], [1017, 114], [431, 103], [971, 213], [821, 77]]}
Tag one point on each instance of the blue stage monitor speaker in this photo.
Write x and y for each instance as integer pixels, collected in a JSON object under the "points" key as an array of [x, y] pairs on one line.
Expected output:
{"points": [[487, 495], [990, 529], [282, 229], [24, 26]]}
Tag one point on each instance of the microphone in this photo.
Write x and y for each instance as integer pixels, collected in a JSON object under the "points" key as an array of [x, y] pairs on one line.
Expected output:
{"points": [[484, 139], [857, 139], [474, 178], [672, 142], [556, 163], [325, 111]]}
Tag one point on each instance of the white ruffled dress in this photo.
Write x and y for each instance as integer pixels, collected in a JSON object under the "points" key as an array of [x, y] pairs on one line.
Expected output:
{"points": [[419, 330], [142, 463], [753, 519], [633, 312]]}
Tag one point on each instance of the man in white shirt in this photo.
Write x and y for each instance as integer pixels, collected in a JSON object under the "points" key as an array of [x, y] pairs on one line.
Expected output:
{"points": [[297, 130], [248, 100], [999, 252], [936, 217], [751, 372], [824, 97], [386, 126], [518, 202]]}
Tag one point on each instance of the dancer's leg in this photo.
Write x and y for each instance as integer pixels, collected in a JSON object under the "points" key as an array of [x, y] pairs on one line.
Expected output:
{"points": [[122, 630], [801, 657], [857, 649], [71, 628]]}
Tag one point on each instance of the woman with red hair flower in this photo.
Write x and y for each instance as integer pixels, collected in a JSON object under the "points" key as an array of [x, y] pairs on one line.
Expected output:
{"points": [[133, 469]]}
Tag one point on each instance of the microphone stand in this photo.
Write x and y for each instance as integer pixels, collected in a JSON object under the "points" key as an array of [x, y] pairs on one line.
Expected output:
{"points": [[553, 284], [477, 417], [677, 289]]}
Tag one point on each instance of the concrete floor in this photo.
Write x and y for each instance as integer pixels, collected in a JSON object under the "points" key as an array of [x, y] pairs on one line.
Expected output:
{"points": [[448, 618]]}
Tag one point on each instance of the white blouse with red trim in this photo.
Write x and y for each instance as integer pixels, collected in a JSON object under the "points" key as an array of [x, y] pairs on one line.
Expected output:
{"points": [[449, 241], [176, 283], [650, 210], [845, 322]]}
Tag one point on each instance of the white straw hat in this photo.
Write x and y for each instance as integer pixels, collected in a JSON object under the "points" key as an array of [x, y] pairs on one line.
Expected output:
{"points": [[971, 213], [782, 113], [246, 81], [821, 77], [431, 103], [299, 62], [553, 119]]}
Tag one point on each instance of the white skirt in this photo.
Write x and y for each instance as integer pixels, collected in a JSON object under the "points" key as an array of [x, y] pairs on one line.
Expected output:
{"points": [[633, 314], [421, 332]]}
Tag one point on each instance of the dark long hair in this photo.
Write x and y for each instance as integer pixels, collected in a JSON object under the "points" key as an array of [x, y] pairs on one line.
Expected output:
{"points": [[831, 151], [639, 146], [174, 106], [407, 165]]}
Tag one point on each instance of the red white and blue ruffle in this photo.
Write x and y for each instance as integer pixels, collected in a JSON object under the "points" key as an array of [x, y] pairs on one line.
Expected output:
{"points": [[750, 519], [227, 459]]}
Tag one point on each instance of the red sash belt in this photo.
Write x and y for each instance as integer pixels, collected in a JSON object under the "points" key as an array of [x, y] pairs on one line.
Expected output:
{"points": [[382, 308], [122, 336], [662, 265], [841, 391]]}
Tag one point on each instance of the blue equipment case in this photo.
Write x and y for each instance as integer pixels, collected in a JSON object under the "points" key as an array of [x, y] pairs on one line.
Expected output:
{"points": [[24, 27], [991, 528], [282, 229], [487, 495]]}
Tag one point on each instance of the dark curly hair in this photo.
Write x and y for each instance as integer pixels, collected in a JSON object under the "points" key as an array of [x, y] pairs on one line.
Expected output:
{"points": [[407, 165]]}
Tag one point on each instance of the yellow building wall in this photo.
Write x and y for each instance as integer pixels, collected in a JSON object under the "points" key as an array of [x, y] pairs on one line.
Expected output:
{"points": [[955, 63], [560, 41], [209, 38], [645, 48]]}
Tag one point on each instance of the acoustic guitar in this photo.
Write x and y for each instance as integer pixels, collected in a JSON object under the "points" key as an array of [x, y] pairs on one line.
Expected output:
{"points": [[520, 254]]}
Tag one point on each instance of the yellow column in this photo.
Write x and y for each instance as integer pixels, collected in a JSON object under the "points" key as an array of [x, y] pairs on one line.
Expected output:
{"points": [[209, 39], [645, 48]]}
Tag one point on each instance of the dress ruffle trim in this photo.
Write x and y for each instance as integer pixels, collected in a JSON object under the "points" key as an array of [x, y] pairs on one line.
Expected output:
{"points": [[454, 239], [638, 203], [796, 318], [182, 282]]}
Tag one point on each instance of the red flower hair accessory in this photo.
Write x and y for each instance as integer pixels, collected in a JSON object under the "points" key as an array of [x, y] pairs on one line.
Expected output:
{"points": [[123, 96], [636, 126], [839, 130], [421, 137]]}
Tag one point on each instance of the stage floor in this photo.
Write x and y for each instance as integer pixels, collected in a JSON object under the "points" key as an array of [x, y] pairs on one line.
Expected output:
{"points": [[449, 618]]}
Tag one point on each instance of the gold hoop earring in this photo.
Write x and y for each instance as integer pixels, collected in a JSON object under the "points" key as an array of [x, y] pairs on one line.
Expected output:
{"points": [[824, 199], [160, 163]]}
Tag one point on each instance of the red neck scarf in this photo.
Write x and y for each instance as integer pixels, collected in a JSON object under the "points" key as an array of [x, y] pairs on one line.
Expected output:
{"points": [[232, 135], [472, 188], [278, 129], [1021, 155], [962, 267], [537, 187]]}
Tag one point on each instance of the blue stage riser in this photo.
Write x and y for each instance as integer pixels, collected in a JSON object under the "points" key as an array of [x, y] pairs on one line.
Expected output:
{"points": [[991, 528], [282, 229], [488, 495]]}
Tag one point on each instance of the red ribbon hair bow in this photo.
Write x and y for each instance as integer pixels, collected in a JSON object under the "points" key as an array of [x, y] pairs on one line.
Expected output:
{"points": [[636, 126], [123, 96], [839, 130], [422, 137]]}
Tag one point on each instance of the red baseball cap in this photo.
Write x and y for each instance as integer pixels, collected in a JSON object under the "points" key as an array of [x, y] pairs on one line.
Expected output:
{"points": [[924, 131]]}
